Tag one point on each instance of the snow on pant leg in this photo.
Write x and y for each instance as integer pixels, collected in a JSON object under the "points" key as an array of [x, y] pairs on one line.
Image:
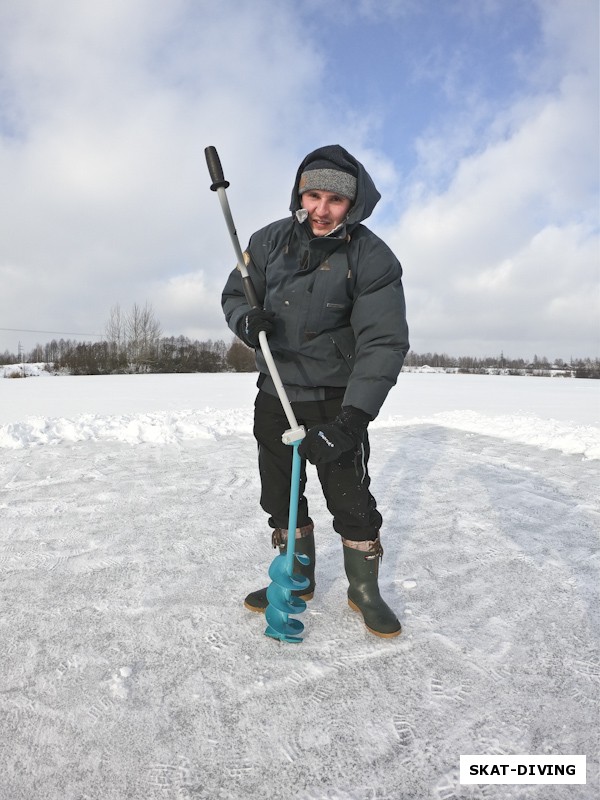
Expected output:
{"points": [[275, 463], [345, 484]]}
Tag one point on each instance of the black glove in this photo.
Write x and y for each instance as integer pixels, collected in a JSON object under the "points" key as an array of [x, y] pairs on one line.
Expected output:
{"points": [[327, 442], [252, 323]]}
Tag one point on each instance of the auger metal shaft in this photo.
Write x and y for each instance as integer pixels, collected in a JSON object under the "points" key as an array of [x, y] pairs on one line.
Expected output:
{"points": [[281, 572]]}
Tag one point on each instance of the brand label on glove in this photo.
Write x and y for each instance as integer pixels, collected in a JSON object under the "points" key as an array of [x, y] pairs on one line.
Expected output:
{"points": [[325, 439]]}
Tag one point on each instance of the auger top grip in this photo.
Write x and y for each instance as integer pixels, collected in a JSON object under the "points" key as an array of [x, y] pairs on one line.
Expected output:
{"points": [[215, 169]]}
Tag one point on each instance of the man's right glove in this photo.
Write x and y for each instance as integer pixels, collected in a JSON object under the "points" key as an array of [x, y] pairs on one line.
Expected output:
{"points": [[327, 442], [252, 323]]}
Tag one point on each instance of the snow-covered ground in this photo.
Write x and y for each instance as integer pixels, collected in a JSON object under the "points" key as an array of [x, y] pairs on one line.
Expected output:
{"points": [[130, 533]]}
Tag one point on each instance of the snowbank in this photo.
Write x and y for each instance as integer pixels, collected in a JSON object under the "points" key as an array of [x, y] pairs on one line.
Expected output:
{"points": [[176, 408], [23, 370], [159, 428], [211, 423], [548, 434]]}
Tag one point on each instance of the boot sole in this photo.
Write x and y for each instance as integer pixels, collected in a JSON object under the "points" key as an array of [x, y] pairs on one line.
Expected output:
{"points": [[257, 610], [381, 635]]}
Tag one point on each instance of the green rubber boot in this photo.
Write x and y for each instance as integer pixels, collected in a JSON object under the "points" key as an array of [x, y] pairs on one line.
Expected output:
{"points": [[361, 562], [305, 545]]}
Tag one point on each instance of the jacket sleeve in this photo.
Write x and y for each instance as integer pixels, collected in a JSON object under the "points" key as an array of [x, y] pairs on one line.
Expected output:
{"points": [[233, 299], [378, 320]]}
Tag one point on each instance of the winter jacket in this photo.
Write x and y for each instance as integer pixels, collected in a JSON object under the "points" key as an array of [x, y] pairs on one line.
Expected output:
{"points": [[339, 304]]}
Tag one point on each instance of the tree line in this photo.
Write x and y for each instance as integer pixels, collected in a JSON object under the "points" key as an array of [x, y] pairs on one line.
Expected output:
{"points": [[539, 365], [133, 342], [169, 354]]}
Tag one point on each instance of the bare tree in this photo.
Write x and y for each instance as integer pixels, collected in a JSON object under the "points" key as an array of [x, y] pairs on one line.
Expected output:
{"points": [[142, 332], [115, 327]]}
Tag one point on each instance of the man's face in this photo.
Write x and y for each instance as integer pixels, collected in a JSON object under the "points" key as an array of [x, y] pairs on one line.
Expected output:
{"points": [[326, 210]]}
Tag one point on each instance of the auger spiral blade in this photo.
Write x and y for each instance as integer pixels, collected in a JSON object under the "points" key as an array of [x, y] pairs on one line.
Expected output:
{"points": [[282, 628], [284, 580], [293, 605], [280, 576], [282, 603]]}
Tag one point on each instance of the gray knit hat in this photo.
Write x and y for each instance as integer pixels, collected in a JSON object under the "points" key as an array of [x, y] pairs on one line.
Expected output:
{"points": [[326, 176]]}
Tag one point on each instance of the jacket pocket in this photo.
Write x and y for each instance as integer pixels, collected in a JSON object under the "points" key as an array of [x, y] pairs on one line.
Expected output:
{"points": [[345, 344]]}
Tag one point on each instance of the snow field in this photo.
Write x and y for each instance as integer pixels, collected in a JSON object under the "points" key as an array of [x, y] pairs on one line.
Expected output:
{"points": [[131, 532]]}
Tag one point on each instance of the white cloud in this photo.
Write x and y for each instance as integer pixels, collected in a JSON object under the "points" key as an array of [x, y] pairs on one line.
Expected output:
{"points": [[105, 191], [506, 256], [105, 110], [189, 304]]}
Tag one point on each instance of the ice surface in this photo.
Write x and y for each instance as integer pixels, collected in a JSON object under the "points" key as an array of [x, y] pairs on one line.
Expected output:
{"points": [[130, 531]]}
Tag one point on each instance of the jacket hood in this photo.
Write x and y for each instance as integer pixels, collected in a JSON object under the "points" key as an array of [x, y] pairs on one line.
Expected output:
{"points": [[367, 195]]}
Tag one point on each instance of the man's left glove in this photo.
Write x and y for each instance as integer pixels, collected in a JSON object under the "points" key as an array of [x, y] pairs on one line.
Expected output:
{"points": [[327, 442]]}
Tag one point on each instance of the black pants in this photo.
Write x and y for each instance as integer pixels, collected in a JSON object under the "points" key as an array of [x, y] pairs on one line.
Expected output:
{"points": [[345, 482]]}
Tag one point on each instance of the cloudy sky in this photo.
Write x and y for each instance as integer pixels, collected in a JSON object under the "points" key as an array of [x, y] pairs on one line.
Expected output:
{"points": [[478, 120]]}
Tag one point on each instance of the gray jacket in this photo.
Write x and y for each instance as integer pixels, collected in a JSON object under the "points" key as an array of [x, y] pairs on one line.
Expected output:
{"points": [[338, 300]]}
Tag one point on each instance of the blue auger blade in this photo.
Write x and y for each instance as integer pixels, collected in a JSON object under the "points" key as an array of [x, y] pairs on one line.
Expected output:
{"points": [[281, 627], [276, 597], [282, 624], [282, 636], [279, 575], [284, 580]]}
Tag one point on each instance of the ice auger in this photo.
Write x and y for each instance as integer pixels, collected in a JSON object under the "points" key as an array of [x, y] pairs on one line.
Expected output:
{"points": [[281, 572]]}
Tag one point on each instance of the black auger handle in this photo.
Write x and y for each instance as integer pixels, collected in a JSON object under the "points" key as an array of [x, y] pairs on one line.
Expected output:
{"points": [[215, 169]]}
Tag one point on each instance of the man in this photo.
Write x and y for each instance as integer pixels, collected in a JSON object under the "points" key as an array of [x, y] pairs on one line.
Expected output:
{"points": [[334, 312]]}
